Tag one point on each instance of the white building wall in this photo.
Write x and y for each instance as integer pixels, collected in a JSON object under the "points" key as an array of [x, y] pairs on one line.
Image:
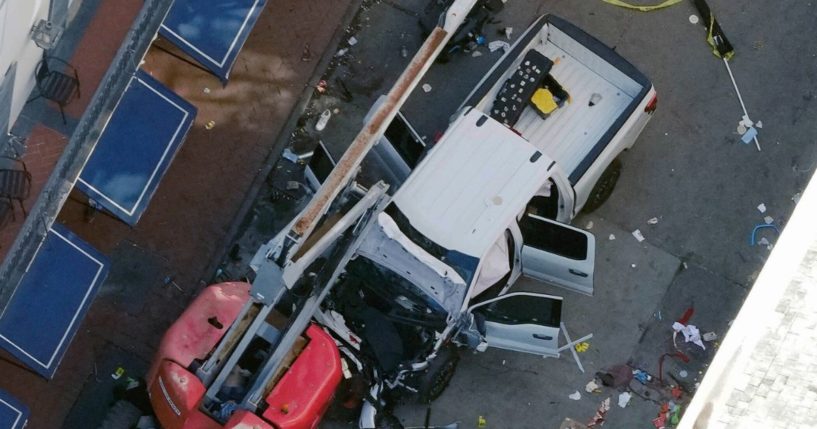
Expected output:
{"points": [[16, 19]]}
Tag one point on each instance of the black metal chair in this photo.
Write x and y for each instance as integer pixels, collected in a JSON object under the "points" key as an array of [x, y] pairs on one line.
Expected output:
{"points": [[57, 81], [15, 184]]}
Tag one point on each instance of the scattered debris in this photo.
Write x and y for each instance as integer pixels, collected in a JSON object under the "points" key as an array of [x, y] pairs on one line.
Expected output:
{"points": [[403, 52], [589, 225], [306, 56], [624, 399], [341, 52], [653, 221], [611, 237], [575, 396], [693, 19], [796, 198], [481, 422], [592, 387], [761, 208], [691, 334], [206, 90], [323, 120], [632, 265], [335, 111], [759, 124], [569, 423], [210, 125], [321, 86], [118, 373], [352, 41], [499, 44], [582, 346], [642, 376], [741, 128], [601, 413], [686, 266], [769, 220], [638, 235], [426, 87], [753, 237], [750, 134], [476, 54], [508, 32], [657, 315], [683, 373]]}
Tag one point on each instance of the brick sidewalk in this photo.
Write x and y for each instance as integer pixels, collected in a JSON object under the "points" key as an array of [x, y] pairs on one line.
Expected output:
{"points": [[197, 201]]}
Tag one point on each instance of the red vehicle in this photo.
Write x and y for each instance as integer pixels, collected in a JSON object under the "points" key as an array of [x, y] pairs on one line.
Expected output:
{"points": [[296, 399]]}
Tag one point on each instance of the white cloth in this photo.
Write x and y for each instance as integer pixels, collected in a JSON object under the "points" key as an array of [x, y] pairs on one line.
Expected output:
{"points": [[691, 333]]}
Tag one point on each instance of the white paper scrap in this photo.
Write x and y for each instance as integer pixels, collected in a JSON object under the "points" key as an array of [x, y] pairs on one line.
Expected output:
{"points": [[638, 235], [624, 399], [575, 396], [761, 208]]}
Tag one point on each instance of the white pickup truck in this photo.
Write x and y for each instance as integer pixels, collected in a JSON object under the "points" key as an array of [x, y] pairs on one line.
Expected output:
{"points": [[601, 104]]}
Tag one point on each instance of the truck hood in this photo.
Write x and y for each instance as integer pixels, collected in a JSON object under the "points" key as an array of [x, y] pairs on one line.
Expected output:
{"points": [[389, 247]]}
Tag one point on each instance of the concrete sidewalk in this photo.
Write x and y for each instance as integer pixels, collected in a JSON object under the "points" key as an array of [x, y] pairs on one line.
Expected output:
{"points": [[161, 263]]}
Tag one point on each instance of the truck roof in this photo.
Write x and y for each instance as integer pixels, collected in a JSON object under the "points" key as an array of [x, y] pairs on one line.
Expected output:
{"points": [[472, 183]]}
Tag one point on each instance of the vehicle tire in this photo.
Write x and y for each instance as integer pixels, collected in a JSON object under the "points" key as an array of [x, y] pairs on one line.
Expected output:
{"points": [[122, 415], [604, 187], [439, 373], [387, 421]]}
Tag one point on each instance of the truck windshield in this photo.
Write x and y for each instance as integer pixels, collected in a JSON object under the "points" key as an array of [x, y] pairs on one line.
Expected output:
{"points": [[463, 264]]}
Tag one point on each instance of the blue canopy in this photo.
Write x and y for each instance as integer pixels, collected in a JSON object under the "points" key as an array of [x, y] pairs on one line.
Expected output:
{"points": [[51, 300], [211, 31], [136, 147], [13, 414]]}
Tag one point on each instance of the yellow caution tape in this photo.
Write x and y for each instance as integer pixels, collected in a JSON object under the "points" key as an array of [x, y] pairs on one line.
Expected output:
{"points": [[620, 3], [711, 40]]}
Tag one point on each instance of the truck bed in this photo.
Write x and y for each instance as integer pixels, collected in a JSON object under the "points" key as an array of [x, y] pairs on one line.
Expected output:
{"points": [[576, 133]]}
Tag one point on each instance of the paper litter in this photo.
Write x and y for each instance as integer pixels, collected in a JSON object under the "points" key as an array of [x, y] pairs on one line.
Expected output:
{"points": [[589, 225], [352, 41], [624, 399], [653, 221], [693, 19], [426, 87], [612, 237], [499, 44], [592, 387], [575, 396], [691, 333], [769, 220], [761, 208], [638, 235]]}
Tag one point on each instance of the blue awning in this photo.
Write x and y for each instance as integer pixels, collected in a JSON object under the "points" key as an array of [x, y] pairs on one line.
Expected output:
{"points": [[136, 147], [51, 300], [13, 414], [211, 31]]}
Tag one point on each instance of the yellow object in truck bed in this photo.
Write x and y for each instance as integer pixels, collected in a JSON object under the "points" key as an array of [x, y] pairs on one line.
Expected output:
{"points": [[542, 101]]}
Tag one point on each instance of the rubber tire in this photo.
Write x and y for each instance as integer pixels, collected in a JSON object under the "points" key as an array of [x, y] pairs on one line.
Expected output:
{"points": [[387, 421], [604, 187], [440, 371], [122, 415]]}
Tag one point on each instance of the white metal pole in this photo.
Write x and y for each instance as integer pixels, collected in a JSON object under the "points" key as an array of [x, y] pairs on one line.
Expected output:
{"points": [[737, 91]]}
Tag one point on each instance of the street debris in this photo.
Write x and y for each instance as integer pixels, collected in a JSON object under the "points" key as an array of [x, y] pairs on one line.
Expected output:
{"points": [[582, 346], [209, 125], [306, 55], [481, 422], [508, 32], [476, 54], [638, 235], [624, 399], [683, 373], [352, 41], [633, 265], [693, 19], [323, 120], [499, 44], [118, 373], [321, 86], [796, 198], [206, 90], [341, 52], [592, 387], [642, 376], [657, 315], [761, 208], [403, 52], [653, 221], [426, 87], [769, 220], [611, 237], [575, 396], [691, 334], [589, 225], [599, 418], [750, 134]]}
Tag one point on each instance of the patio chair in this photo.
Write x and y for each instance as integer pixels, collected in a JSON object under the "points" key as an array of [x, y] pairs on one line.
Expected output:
{"points": [[57, 81], [15, 184]]}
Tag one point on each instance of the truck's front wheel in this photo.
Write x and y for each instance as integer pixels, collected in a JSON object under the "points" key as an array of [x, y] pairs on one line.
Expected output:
{"points": [[604, 187], [439, 373]]}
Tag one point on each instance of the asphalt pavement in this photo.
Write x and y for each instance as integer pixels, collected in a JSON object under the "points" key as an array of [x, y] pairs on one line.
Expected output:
{"points": [[688, 170]]}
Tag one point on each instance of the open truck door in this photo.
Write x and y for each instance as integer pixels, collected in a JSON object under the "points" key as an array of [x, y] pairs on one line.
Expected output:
{"points": [[557, 253], [521, 321]]}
